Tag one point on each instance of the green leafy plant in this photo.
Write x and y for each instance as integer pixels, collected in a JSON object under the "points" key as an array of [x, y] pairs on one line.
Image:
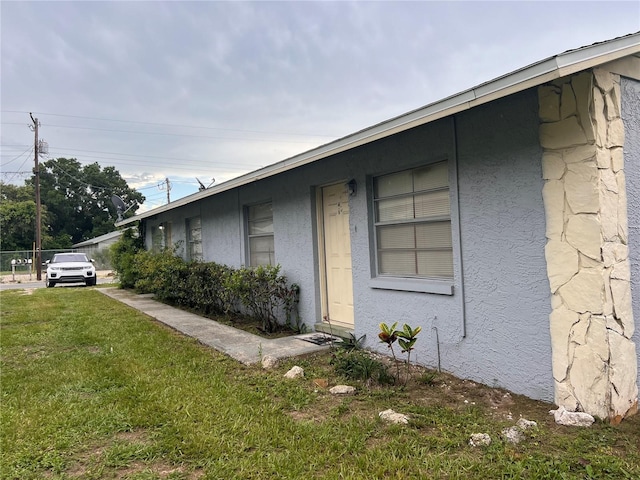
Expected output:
{"points": [[353, 342], [406, 339], [389, 335]]}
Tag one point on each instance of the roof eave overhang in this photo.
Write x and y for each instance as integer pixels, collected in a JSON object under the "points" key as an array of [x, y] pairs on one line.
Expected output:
{"points": [[552, 68]]}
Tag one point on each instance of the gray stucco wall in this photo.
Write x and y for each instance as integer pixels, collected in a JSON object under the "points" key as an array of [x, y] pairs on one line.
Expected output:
{"points": [[502, 227], [500, 232], [631, 117]]}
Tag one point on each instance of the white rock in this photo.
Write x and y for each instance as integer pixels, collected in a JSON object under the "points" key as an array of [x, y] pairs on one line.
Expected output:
{"points": [[581, 188], [584, 292], [269, 362], [393, 417], [563, 134], [617, 159], [548, 103], [513, 435], [525, 424], [562, 262], [572, 419], [584, 233], [615, 134], [603, 79], [590, 379], [342, 390], [609, 204], [295, 372], [624, 390], [553, 166], [553, 198], [480, 440], [603, 157], [622, 305], [599, 118], [567, 101], [582, 84]]}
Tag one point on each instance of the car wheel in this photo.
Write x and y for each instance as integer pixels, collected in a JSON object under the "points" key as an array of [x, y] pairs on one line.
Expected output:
{"points": [[50, 284], [90, 281]]}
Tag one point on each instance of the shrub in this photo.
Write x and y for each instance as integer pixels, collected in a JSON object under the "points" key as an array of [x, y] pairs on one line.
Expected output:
{"points": [[265, 294], [210, 288], [123, 254]]}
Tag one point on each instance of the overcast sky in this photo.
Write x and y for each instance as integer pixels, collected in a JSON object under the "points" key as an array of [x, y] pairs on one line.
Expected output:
{"points": [[206, 89]]}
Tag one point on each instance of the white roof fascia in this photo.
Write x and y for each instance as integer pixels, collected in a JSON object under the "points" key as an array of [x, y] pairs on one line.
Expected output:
{"points": [[101, 238], [532, 75]]}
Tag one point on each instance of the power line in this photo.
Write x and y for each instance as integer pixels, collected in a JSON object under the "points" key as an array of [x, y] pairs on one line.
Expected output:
{"points": [[174, 125], [137, 132], [19, 171], [28, 150], [138, 155]]}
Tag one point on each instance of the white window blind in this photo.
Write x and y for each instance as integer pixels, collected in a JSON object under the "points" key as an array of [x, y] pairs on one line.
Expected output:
{"points": [[260, 235], [413, 223]]}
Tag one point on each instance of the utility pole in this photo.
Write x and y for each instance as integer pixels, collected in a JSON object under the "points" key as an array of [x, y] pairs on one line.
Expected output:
{"points": [[36, 173], [168, 190]]}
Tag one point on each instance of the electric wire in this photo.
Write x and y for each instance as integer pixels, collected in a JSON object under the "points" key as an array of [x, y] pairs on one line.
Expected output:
{"points": [[169, 124], [29, 150], [19, 171]]}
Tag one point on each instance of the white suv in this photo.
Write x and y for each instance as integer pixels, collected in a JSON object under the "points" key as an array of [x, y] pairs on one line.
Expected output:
{"points": [[70, 268]]}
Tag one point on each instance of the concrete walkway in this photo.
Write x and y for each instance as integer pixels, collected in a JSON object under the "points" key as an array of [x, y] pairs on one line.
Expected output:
{"points": [[238, 344]]}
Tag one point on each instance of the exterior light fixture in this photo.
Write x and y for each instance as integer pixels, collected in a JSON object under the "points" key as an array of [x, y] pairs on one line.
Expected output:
{"points": [[352, 187]]}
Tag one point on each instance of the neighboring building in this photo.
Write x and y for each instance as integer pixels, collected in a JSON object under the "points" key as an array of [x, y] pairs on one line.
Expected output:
{"points": [[496, 219], [98, 247]]}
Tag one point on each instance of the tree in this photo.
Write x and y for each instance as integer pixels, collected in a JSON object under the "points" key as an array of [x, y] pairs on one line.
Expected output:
{"points": [[18, 217], [78, 199]]}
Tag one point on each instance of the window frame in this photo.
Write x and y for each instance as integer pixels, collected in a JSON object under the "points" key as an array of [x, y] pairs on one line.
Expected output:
{"points": [[249, 236], [414, 283], [161, 231], [191, 242]]}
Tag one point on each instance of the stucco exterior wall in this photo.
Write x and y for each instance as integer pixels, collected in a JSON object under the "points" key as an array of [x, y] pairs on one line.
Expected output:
{"points": [[498, 333], [501, 228], [631, 117], [503, 237]]}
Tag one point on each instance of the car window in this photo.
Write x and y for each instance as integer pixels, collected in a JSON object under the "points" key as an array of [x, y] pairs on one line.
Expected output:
{"points": [[69, 258]]}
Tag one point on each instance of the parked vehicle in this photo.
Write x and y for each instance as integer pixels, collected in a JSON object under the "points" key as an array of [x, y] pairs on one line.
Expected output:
{"points": [[70, 268]]}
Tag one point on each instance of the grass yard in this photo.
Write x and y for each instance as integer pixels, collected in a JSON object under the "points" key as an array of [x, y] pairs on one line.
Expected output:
{"points": [[92, 389]]}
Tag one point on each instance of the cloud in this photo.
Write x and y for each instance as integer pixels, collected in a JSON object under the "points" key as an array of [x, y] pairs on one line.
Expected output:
{"points": [[220, 88]]}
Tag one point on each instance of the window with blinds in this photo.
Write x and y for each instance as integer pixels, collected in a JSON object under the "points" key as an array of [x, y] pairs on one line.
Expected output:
{"points": [[413, 223], [194, 238], [260, 233]]}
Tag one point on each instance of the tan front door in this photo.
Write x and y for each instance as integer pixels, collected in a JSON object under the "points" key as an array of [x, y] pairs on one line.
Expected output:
{"points": [[336, 241]]}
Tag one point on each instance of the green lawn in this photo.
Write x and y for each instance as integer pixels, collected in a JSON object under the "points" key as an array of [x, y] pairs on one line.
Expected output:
{"points": [[92, 389]]}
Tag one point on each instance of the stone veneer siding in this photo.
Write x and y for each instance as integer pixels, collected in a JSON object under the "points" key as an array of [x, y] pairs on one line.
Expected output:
{"points": [[591, 323]]}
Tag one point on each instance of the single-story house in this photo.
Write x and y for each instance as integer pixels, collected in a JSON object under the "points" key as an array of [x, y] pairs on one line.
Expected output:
{"points": [[504, 220], [94, 247]]}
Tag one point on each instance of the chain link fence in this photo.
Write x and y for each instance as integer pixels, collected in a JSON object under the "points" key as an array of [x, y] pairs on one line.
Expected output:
{"points": [[25, 259]]}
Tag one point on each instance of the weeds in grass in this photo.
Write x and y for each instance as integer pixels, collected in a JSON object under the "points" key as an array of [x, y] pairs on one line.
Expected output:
{"points": [[352, 342], [428, 377], [359, 365]]}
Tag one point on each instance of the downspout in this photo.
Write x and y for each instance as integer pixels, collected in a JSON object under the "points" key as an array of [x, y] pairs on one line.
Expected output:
{"points": [[455, 156], [241, 244]]}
